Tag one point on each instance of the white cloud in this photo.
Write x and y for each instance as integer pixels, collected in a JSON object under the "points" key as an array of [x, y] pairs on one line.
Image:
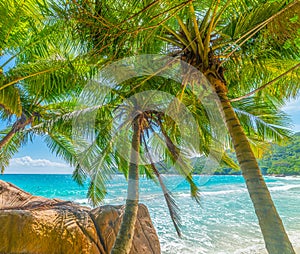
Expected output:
{"points": [[28, 161]]}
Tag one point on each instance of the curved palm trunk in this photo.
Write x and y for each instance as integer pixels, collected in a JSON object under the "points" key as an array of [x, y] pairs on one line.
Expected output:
{"points": [[275, 237], [7, 138], [19, 125], [125, 236]]}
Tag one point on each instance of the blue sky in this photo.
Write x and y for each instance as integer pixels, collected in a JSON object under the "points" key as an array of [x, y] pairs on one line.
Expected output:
{"points": [[293, 109], [36, 157]]}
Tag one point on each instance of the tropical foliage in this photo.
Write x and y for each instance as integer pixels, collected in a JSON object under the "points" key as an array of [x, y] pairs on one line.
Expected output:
{"points": [[278, 159], [39, 71], [228, 42], [283, 159], [245, 49]]}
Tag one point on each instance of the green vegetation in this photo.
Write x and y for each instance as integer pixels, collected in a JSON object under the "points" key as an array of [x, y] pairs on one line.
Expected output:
{"points": [[283, 159], [242, 47], [279, 159]]}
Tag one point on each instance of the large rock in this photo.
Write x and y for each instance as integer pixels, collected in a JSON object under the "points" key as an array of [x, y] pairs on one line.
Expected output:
{"points": [[31, 224]]}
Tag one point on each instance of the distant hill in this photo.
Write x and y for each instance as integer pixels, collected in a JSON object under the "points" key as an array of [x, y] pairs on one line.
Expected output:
{"points": [[283, 159], [279, 160]]}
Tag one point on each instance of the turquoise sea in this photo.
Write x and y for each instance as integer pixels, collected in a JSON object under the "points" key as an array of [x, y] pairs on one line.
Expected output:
{"points": [[224, 222]]}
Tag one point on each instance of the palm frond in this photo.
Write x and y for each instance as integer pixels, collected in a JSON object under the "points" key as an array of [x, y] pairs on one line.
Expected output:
{"points": [[12, 147], [181, 164], [172, 206], [10, 101], [262, 120]]}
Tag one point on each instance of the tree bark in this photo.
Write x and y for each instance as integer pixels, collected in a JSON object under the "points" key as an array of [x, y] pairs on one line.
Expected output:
{"points": [[125, 236], [275, 237], [18, 125], [7, 138]]}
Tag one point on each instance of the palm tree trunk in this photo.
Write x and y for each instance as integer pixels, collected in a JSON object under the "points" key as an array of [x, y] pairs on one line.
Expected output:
{"points": [[125, 236], [275, 237], [7, 138], [18, 125]]}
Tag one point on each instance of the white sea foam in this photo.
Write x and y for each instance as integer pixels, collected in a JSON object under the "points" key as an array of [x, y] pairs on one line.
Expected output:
{"points": [[223, 192], [296, 178], [82, 201], [285, 187]]}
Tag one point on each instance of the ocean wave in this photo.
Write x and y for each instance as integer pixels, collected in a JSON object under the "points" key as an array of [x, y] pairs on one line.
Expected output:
{"points": [[285, 187], [296, 178], [223, 192], [81, 201], [254, 249]]}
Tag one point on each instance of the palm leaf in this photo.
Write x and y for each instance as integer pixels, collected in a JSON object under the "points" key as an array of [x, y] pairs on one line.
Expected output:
{"points": [[172, 206]]}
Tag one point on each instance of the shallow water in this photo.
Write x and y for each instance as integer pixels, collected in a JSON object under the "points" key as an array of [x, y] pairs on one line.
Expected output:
{"points": [[224, 222]]}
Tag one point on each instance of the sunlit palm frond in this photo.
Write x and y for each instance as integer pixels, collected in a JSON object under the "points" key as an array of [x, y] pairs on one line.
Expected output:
{"points": [[12, 146], [172, 206], [262, 120], [10, 101]]}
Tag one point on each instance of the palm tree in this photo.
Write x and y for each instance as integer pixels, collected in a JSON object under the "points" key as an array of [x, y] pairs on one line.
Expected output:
{"points": [[238, 46], [125, 236], [203, 42], [209, 40], [115, 123], [38, 71], [35, 90], [106, 153]]}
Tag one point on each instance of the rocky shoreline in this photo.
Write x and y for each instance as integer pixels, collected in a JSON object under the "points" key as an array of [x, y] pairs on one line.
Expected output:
{"points": [[32, 224]]}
